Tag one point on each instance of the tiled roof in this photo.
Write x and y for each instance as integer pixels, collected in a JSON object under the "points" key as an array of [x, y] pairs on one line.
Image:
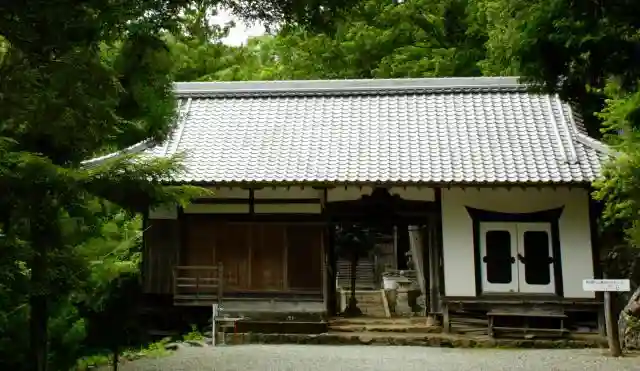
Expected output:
{"points": [[444, 130]]}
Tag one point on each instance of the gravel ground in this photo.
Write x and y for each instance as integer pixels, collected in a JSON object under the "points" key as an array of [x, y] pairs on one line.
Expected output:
{"points": [[374, 358]]}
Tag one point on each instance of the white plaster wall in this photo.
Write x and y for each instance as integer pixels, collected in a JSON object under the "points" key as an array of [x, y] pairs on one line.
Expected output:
{"points": [[228, 192], [164, 212], [347, 193], [287, 208], [217, 209], [287, 192], [457, 230]]}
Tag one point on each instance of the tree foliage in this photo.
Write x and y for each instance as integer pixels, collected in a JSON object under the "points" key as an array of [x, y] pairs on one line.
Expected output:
{"points": [[373, 39], [570, 47], [588, 53], [81, 79], [380, 39]]}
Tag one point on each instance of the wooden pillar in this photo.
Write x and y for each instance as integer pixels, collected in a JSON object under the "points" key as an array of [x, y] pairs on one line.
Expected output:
{"points": [[426, 266], [446, 324], [438, 262], [328, 273], [434, 290]]}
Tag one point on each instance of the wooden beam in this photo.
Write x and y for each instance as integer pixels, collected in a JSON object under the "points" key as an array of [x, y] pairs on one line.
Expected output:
{"points": [[255, 201], [273, 218], [252, 201]]}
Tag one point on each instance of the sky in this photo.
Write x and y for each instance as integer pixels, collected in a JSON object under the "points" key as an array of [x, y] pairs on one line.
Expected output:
{"points": [[239, 34]]}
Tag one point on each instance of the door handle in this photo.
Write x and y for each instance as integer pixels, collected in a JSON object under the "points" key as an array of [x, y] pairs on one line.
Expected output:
{"points": [[523, 260], [486, 259]]}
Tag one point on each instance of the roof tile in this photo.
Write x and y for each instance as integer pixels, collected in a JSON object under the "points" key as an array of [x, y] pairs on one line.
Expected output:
{"points": [[491, 133]]}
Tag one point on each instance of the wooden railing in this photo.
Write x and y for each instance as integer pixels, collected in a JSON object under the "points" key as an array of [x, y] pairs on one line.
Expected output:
{"points": [[198, 285]]}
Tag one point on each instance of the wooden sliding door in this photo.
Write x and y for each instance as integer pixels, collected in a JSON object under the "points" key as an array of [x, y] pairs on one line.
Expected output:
{"points": [[304, 257], [232, 246], [199, 248], [257, 256], [268, 249]]}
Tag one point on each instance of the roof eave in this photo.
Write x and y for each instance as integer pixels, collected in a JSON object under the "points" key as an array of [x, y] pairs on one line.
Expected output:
{"points": [[425, 184], [131, 150]]}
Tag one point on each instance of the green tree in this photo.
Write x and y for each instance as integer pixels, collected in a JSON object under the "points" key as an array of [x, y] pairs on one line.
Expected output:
{"points": [[80, 79], [382, 39], [588, 53], [373, 39], [570, 47]]}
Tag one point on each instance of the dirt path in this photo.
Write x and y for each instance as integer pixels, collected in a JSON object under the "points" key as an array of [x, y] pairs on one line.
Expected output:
{"points": [[379, 358]]}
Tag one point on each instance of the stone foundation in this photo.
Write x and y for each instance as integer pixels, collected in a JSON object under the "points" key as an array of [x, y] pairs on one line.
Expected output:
{"points": [[430, 340]]}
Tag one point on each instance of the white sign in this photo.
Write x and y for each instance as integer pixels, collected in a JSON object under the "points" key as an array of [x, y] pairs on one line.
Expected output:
{"points": [[606, 285]]}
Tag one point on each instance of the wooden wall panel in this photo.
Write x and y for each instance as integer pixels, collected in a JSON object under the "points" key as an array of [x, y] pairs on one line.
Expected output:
{"points": [[232, 243], [304, 257], [267, 257], [255, 256], [161, 242], [199, 247]]}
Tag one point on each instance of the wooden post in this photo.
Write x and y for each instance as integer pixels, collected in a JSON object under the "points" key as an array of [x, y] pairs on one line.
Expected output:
{"points": [[214, 324], [197, 285], [446, 324], [220, 287], [613, 335]]}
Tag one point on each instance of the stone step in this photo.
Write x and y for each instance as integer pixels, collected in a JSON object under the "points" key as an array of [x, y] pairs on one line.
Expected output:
{"points": [[367, 300], [391, 328], [371, 302], [412, 321], [373, 313]]}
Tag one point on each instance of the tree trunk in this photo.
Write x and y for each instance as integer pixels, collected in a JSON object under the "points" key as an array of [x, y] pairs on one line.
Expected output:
{"points": [[630, 335], [45, 235], [352, 309], [39, 310], [116, 357]]}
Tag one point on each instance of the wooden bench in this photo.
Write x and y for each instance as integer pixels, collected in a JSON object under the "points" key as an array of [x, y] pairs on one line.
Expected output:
{"points": [[203, 285], [198, 285], [527, 315], [220, 322]]}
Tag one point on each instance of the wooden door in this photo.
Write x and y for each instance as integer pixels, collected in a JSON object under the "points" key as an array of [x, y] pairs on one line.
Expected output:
{"points": [[535, 258], [232, 243], [267, 257], [498, 250], [304, 257], [199, 247], [197, 251]]}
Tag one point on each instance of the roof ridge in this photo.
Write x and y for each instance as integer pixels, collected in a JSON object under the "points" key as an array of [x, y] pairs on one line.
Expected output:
{"points": [[585, 139], [595, 144], [348, 86]]}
